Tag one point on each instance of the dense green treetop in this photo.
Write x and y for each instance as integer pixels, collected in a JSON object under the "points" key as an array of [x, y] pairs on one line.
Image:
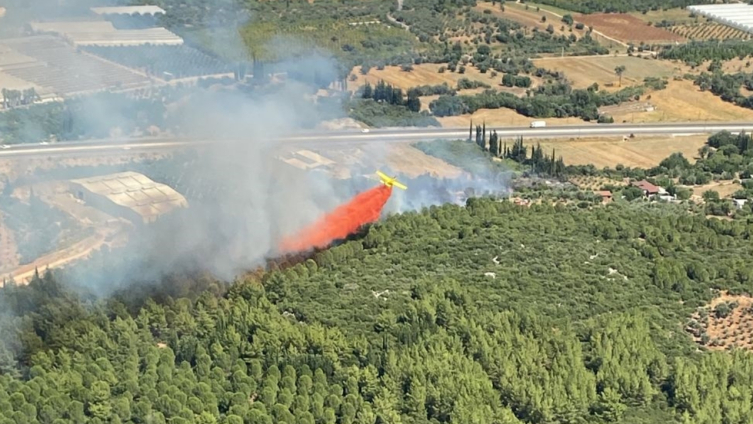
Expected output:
{"points": [[484, 313]]}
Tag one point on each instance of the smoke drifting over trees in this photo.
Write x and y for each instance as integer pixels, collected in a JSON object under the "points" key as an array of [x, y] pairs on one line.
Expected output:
{"points": [[249, 201]]}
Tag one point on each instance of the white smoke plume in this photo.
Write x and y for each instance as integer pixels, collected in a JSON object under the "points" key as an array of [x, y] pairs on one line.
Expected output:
{"points": [[256, 199]]}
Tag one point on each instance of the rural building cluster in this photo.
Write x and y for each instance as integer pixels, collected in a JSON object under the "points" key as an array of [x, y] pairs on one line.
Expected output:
{"points": [[110, 48]]}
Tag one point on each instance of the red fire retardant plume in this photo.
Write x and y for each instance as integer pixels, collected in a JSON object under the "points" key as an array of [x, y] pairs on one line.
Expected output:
{"points": [[366, 207]]}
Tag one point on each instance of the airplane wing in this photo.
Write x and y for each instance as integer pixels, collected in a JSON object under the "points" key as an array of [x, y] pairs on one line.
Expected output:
{"points": [[390, 181], [399, 185]]}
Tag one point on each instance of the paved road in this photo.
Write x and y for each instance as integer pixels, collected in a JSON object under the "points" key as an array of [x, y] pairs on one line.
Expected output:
{"points": [[376, 135]]}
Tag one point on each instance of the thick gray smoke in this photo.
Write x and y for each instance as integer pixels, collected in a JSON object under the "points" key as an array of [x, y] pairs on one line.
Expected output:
{"points": [[255, 200]]}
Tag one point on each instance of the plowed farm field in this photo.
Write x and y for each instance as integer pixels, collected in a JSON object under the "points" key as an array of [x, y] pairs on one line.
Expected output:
{"points": [[627, 28]]}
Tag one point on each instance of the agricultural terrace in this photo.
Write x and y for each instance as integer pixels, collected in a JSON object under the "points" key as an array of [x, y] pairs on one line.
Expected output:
{"points": [[584, 71], [709, 31], [627, 28]]}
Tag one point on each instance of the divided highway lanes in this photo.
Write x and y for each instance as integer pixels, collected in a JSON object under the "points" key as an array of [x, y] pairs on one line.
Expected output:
{"points": [[375, 135]]}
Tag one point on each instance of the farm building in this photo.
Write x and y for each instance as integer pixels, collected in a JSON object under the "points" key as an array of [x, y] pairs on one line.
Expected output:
{"points": [[104, 33], [128, 195], [648, 188], [129, 10], [736, 15], [606, 195]]}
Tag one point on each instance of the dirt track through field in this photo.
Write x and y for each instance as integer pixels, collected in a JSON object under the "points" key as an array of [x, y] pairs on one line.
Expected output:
{"points": [[80, 250]]}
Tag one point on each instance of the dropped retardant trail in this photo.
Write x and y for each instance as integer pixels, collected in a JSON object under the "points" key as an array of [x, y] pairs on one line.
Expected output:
{"points": [[365, 208]]}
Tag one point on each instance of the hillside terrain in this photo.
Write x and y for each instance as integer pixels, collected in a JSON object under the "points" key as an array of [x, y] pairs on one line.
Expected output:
{"points": [[489, 313], [514, 281]]}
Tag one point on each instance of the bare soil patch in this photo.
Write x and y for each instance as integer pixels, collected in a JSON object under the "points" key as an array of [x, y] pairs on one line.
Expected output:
{"points": [[724, 323], [627, 28]]}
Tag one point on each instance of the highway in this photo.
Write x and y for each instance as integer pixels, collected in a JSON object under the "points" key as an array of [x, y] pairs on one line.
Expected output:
{"points": [[372, 136]]}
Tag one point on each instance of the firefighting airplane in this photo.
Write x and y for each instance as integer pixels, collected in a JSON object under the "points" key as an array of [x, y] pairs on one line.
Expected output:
{"points": [[390, 181]]}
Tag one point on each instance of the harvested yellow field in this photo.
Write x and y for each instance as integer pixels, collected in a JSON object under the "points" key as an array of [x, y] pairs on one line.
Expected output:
{"points": [[339, 159], [406, 159], [733, 65], [637, 152], [423, 74], [501, 117], [682, 101], [724, 188], [584, 71]]}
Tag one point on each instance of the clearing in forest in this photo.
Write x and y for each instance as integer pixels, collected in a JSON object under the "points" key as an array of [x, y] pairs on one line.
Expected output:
{"points": [[584, 71], [627, 28], [612, 151], [423, 74], [724, 323], [682, 101]]}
